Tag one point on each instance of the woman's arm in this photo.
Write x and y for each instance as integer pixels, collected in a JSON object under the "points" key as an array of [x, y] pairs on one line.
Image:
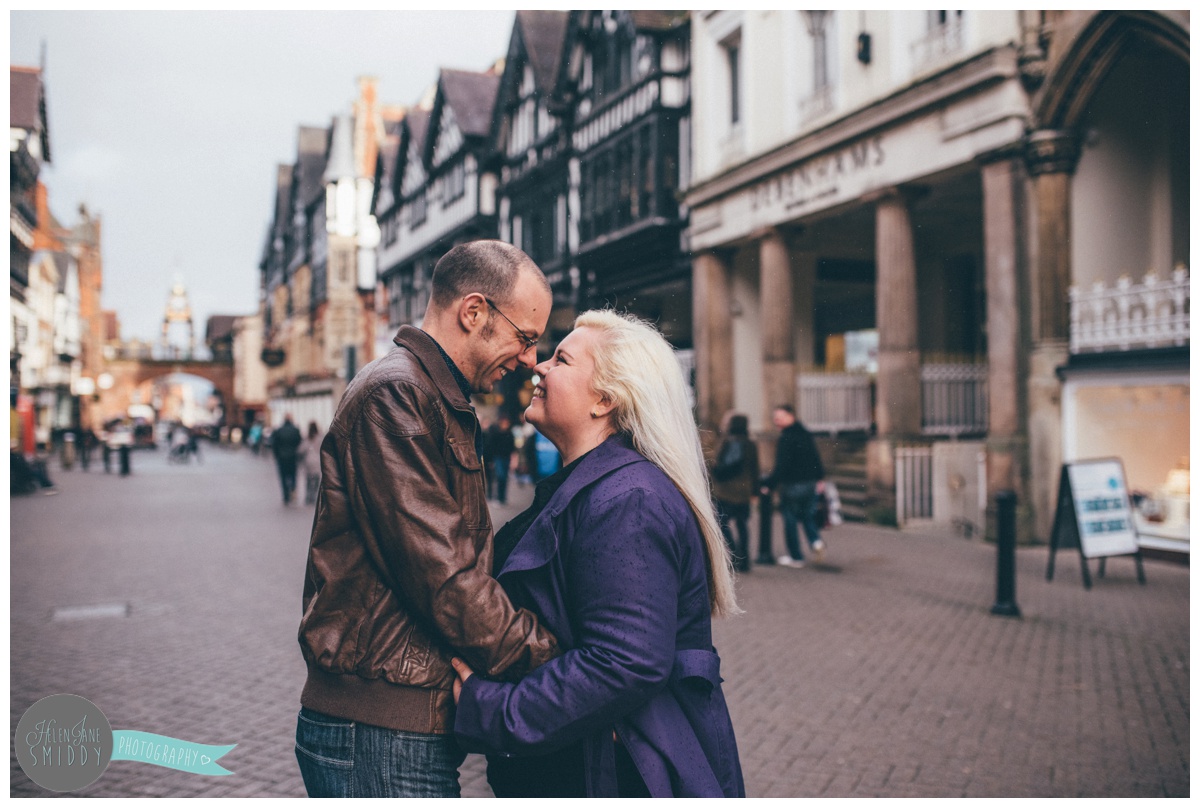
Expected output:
{"points": [[622, 578]]}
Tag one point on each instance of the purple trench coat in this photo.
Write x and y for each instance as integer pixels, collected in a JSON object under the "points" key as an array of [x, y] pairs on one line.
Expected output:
{"points": [[614, 566]]}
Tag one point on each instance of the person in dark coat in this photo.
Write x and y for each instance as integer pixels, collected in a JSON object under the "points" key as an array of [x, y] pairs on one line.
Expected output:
{"points": [[498, 448], [799, 476], [620, 555], [87, 442], [735, 475], [285, 442]]}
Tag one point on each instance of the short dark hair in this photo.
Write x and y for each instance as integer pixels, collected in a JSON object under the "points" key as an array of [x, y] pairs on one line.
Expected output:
{"points": [[739, 425], [486, 266], [788, 408]]}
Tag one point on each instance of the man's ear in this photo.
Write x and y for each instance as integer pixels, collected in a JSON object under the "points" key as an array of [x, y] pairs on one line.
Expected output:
{"points": [[472, 312]]}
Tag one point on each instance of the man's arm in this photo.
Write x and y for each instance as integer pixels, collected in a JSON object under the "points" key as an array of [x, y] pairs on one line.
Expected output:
{"points": [[427, 537]]}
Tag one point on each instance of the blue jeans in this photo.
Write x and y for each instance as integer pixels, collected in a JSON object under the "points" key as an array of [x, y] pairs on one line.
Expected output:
{"points": [[341, 758], [798, 504]]}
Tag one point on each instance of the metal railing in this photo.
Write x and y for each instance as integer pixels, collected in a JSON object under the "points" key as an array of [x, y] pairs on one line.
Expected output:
{"points": [[1150, 314], [835, 402], [914, 484], [954, 398]]}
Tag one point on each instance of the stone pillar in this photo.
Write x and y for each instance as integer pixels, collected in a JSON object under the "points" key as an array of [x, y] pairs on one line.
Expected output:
{"points": [[1051, 157], [778, 323], [713, 335], [1007, 328], [898, 382], [898, 412], [804, 276]]}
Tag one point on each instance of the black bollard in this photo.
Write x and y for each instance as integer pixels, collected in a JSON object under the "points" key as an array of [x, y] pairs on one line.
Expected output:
{"points": [[766, 514], [1006, 555], [124, 455]]}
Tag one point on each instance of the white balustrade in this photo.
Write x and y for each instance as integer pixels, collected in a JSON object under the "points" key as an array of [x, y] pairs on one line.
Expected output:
{"points": [[939, 43], [835, 402], [1152, 314]]}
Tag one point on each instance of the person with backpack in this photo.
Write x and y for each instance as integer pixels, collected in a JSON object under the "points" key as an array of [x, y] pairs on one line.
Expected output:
{"points": [[735, 475]]}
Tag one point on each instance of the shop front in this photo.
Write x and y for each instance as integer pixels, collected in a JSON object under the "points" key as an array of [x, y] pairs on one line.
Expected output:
{"points": [[868, 274], [1141, 417]]}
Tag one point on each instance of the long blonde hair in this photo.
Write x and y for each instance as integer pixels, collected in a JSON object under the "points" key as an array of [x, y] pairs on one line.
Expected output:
{"points": [[637, 371]]}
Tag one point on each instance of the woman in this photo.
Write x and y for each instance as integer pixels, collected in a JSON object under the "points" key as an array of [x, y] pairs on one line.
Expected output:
{"points": [[310, 454], [735, 476], [620, 556]]}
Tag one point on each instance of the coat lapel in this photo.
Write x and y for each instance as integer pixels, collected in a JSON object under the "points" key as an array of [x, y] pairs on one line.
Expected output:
{"points": [[540, 542]]}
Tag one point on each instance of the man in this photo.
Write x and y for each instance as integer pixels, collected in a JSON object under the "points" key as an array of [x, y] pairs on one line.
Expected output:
{"points": [[284, 443], [499, 448], [398, 567], [800, 477]]}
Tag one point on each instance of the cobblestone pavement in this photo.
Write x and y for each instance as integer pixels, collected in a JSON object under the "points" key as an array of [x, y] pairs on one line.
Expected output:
{"points": [[878, 673]]}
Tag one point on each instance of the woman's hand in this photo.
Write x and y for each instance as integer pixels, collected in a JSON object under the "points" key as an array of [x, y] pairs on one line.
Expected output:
{"points": [[464, 673]]}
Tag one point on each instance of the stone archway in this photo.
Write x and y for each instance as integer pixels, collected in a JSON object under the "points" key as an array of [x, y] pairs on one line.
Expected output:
{"points": [[130, 374], [1090, 52]]}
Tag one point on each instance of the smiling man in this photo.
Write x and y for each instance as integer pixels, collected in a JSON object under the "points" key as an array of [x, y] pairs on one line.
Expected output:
{"points": [[398, 566]]}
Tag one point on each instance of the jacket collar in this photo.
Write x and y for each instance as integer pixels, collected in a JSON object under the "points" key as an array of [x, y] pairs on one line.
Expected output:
{"points": [[540, 542], [430, 355]]}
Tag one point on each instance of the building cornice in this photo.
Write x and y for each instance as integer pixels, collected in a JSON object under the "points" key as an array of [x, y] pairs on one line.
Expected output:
{"points": [[984, 70]]}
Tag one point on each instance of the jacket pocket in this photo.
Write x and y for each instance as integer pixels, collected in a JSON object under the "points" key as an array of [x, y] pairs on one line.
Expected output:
{"points": [[469, 489]]}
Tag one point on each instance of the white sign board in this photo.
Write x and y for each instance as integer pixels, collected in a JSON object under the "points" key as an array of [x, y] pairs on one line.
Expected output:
{"points": [[1102, 508]]}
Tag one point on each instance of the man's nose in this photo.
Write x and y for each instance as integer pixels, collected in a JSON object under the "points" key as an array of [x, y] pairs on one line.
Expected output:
{"points": [[528, 357]]}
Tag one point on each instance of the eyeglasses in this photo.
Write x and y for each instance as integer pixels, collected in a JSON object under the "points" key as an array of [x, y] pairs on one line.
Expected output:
{"points": [[529, 341]]}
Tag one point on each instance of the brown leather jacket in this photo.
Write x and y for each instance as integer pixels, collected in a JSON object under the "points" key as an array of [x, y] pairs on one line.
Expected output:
{"points": [[399, 566]]}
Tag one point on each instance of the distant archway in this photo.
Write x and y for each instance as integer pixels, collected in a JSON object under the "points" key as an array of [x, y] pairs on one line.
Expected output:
{"points": [[128, 375]]}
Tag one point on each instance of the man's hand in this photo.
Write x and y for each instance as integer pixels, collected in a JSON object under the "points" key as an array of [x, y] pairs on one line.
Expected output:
{"points": [[464, 673]]}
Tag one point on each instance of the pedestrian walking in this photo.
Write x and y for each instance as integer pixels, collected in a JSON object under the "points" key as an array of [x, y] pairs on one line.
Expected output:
{"points": [[799, 476], [620, 554], [106, 450], [499, 446], [310, 460], [401, 551], [735, 475], [87, 444], [285, 445], [546, 457], [255, 436]]}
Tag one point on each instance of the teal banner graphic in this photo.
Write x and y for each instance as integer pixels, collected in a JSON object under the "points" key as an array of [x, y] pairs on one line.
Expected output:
{"points": [[159, 750]]}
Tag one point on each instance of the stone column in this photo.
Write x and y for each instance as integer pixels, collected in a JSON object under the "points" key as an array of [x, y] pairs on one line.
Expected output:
{"points": [[1051, 157], [1007, 327], [778, 323], [805, 284], [898, 382], [713, 334]]}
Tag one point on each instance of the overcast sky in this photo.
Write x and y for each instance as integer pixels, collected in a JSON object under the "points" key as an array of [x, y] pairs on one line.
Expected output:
{"points": [[170, 125]]}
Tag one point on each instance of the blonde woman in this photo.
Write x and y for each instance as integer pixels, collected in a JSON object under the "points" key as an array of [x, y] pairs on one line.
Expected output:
{"points": [[622, 558]]}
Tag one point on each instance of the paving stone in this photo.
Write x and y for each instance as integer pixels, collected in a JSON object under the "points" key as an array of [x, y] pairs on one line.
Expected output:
{"points": [[880, 673]]}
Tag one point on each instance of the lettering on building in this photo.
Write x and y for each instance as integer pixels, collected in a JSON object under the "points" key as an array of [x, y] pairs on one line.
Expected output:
{"points": [[817, 178]]}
